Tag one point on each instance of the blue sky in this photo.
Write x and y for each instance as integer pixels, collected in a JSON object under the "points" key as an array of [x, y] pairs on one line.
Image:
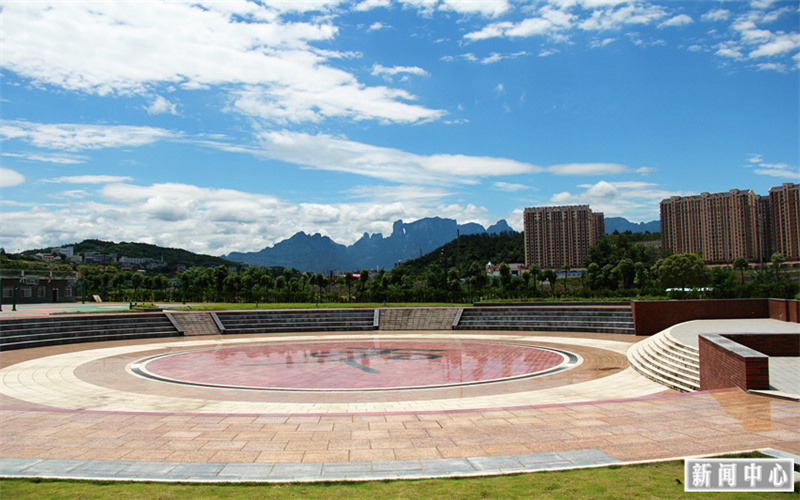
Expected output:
{"points": [[231, 125]]}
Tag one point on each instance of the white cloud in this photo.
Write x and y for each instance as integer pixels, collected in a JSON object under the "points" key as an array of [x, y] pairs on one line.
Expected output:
{"points": [[118, 48], [631, 14], [10, 178], [716, 15], [379, 70], [587, 169], [778, 45], [312, 102], [488, 8], [549, 23], [679, 20], [89, 179], [76, 137], [645, 171], [161, 105], [214, 221], [632, 199], [372, 4], [729, 52], [61, 159], [325, 152], [779, 170], [509, 186]]}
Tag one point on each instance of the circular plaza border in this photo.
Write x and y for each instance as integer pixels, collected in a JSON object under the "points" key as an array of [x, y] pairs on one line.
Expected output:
{"points": [[102, 379], [363, 365]]}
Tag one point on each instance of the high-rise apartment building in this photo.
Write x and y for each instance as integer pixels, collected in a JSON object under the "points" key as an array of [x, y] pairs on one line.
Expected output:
{"points": [[784, 211], [559, 236], [723, 226]]}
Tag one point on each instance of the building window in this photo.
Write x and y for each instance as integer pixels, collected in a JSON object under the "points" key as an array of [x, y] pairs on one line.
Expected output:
{"points": [[7, 292], [41, 292], [68, 292], [26, 292]]}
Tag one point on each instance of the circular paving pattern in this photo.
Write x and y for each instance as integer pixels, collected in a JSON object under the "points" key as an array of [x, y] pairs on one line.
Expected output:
{"points": [[354, 365]]}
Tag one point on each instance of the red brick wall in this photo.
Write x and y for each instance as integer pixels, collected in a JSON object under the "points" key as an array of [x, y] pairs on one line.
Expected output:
{"points": [[774, 344], [650, 317], [721, 368], [785, 310]]}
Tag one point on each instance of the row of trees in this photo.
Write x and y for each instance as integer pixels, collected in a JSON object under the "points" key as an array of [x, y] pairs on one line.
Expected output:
{"points": [[616, 267]]}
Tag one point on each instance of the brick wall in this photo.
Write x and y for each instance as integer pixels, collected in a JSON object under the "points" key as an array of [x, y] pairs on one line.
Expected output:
{"points": [[725, 363], [650, 317]]}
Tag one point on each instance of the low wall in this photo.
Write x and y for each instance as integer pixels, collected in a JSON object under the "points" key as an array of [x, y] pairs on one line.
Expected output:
{"points": [[742, 360], [651, 317]]}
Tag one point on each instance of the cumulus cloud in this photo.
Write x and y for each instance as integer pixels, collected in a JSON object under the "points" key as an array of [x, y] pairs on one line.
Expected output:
{"points": [[215, 221], [242, 44], [9, 178], [716, 15], [627, 199], [76, 137], [161, 105], [679, 20]]}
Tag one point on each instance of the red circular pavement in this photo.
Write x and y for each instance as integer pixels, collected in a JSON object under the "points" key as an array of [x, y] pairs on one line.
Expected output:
{"points": [[353, 365]]}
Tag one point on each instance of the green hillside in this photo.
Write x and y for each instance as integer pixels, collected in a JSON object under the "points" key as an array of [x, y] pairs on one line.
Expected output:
{"points": [[173, 256], [506, 247]]}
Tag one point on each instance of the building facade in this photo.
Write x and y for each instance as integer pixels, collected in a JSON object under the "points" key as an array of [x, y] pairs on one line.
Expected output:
{"points": [[784, 210], [560, 236], [37, 287], [723, 226]]}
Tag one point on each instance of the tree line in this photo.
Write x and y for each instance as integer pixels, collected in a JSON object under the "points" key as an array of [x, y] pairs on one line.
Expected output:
{"points": [[456, 273]]}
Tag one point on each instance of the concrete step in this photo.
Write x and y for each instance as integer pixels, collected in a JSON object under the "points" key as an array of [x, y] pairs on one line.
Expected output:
{"points": [[659, 359], [651, 371]]}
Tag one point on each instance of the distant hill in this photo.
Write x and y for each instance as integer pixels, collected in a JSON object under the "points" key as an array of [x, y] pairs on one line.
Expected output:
{"points": [[508, 247], [172, 256], [317, 253], [621, 224]]}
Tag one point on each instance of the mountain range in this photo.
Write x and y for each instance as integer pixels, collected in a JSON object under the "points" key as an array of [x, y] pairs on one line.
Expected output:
{"points": [[317, 253], [621, 224]]}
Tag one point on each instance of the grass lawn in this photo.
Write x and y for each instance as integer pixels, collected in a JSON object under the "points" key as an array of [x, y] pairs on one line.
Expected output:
{"points": [[655, 480]]}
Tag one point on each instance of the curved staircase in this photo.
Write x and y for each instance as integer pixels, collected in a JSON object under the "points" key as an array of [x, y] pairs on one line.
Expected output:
{"points": [[667, 361]]}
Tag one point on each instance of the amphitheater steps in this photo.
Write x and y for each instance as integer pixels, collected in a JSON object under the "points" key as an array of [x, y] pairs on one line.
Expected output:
{"points": [[563, 319], [665, 360], [417, 318], [38, 332], [195, 323], [252, 322]]}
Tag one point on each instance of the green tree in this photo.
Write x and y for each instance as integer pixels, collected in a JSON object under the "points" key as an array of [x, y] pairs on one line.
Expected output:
{"points": [[683, 270], [777, 261], [505, 276], [627, 269], [566, 268], [551, 277], [348, 281], [741, 264]]}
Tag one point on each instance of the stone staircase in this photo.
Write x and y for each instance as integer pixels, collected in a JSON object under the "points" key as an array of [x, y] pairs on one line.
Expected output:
{"points": [[306, 320], [547, 319], [428, 318], [38, 332], [196, 323], [667, 361]]}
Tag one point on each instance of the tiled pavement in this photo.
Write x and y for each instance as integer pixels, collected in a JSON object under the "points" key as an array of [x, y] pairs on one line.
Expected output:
{"points": [[84, 415]]}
